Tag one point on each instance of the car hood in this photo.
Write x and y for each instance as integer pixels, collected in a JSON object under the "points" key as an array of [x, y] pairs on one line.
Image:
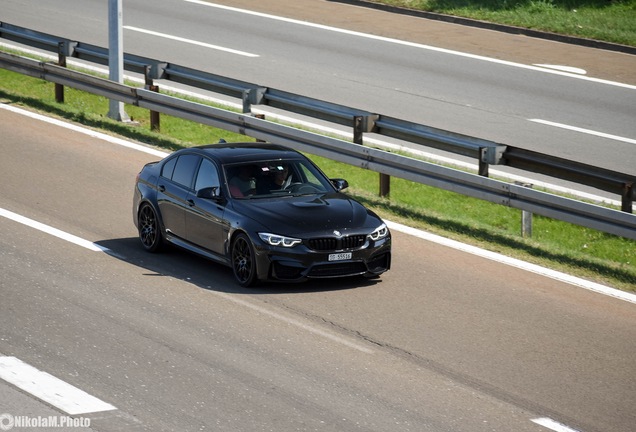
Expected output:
{"points": [[309, 215]]}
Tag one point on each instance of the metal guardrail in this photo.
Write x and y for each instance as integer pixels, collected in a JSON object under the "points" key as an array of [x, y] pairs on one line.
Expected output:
{"points": [[542, 203], [486, 152]]}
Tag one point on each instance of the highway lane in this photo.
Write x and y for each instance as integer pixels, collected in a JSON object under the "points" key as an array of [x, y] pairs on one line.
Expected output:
{"points": [[146, 335], [170, 355], [445, 342], [462, 93]]}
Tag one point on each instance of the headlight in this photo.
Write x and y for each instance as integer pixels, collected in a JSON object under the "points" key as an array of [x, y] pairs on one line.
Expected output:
{"points": [[278, 240], [379, 233]]}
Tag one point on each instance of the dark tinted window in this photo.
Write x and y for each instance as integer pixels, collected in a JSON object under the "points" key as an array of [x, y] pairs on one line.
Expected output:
{"points": [[208, 176], [277, 177], [185, 169], [168, 168]]}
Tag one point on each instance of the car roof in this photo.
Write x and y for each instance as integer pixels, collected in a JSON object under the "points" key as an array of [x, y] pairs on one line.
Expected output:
{"points": [[227, 153]]}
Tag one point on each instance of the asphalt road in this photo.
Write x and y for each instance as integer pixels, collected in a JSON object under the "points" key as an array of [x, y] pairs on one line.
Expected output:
{"points": [[445, 341], [476, 82]]}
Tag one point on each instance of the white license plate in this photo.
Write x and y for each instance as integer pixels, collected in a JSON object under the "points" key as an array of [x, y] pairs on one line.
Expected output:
{"points": [[340, 256]]}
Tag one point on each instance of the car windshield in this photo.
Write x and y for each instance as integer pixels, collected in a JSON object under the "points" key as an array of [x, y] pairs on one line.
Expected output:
{"points": [[265, 179]]}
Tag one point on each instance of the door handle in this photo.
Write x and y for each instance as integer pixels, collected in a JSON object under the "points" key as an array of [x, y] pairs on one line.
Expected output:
{"points": [[190, 203], [162, 188]]}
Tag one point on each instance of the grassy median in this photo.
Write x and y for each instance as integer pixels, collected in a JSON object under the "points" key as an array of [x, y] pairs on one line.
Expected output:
{"points": [[605, 20], [569, 248]]}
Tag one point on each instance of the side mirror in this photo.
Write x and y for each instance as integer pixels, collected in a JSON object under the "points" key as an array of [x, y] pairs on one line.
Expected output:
{"points": [[208, 193], [340, 184]]}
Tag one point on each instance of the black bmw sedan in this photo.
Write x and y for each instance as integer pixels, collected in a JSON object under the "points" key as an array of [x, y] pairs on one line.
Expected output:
{"points": [[264, 210]]}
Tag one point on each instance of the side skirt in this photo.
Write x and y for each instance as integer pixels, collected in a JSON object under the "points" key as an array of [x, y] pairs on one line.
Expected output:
{"points": [[178, 241]]}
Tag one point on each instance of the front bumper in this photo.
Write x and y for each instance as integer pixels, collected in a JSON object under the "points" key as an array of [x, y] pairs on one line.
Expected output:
{"points": [[301, 263]]}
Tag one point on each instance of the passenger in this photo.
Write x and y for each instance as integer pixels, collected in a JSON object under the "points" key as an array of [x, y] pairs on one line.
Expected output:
{"points": [[244, 183]]}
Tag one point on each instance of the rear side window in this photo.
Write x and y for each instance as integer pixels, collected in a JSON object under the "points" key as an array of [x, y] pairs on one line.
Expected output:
{"points": [[181, 170], [168, 168]]}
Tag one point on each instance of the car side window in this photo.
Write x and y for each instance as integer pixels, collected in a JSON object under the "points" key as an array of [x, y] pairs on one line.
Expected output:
{"points": [[309, 175], [168, 168], [208, 176], [184, 169]]}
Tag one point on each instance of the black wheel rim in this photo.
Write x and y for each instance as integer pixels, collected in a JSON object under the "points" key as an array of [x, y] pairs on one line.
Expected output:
{"points": [[242, 260], [148, 231]]}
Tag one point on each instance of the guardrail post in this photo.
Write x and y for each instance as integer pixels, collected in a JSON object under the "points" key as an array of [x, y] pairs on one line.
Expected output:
{"points": [[155, 119], [385, 185], [627, 197], [64, 49], [247, 101], [490, 155], [262, 117], [526, 216], [359, 127], [253, 96], [61, 61], [483, 165]]}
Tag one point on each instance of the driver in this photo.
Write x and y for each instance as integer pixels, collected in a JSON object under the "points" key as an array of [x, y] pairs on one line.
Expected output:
{"points": [[280, 177]]}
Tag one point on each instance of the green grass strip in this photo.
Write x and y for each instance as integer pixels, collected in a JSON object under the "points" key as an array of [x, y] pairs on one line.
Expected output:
{"points": [[604, 20]]}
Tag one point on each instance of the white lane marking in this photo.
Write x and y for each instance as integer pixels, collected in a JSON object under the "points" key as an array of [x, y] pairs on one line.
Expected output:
{"points": [[85, 131], [553, 274], [53, 231], [413, 44], [551, 424], [586, 131], [569, 69], [50, 389], [296, 323], [190, 41]]}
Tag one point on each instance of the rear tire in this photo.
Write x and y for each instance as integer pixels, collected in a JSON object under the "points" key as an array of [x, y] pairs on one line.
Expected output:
{"points": [[243, 261], [149, 229]]}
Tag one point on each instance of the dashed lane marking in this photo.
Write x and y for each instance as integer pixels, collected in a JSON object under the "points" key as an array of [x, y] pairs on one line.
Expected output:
{"points": [[50, 389]]}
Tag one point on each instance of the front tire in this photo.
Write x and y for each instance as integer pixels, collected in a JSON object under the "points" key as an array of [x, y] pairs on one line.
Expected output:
{"points": [[149, 229], [243, 261]]}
